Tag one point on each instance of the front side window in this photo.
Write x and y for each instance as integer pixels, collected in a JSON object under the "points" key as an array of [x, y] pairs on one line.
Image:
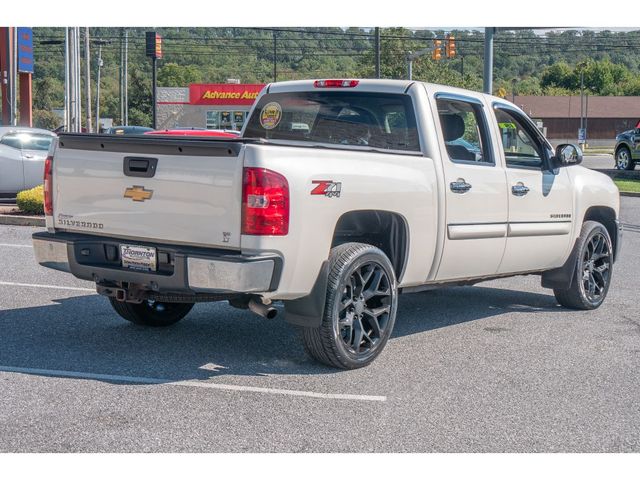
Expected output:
{"points": [[464, 131], [521, 149], [376, 120]]}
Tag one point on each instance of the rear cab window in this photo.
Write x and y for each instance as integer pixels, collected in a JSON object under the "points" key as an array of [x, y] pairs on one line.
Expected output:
{"points": [[362, 119]]}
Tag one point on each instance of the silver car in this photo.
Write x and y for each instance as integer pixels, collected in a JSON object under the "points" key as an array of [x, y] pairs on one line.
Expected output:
{"points": [[22, 154]]}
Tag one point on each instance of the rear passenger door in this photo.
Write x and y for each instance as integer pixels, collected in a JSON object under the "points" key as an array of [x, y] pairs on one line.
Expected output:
{"points": [[540, 200], [475, 190]]}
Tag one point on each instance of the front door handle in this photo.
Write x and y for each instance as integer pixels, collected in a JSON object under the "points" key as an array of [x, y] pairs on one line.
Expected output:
{"points": [[460, 186], [519, 189]]}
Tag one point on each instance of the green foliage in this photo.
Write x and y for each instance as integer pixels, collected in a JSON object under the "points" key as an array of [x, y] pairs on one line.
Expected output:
{"points": [[539, 65], [31, 201], [46, 119], [174, 75]]}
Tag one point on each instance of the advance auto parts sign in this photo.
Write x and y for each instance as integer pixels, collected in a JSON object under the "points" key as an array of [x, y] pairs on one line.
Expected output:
{"points": [[223, 93]]}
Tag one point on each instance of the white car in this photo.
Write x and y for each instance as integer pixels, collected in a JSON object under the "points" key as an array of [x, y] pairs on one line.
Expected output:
{"points": [[377, 197], [23, 151]]}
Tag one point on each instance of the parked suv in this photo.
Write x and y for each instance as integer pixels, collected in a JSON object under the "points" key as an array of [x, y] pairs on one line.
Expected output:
{"points": [[628, 149]]}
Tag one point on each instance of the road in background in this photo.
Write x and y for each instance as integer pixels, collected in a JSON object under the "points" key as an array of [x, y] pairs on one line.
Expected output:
{"points": [[495, 367]]}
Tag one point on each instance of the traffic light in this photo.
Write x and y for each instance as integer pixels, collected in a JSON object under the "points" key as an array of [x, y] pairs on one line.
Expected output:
{"points": [[450, 47], [437, 50]]}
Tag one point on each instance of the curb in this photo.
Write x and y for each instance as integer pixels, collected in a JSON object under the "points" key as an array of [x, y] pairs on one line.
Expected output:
{"points": [[630, 194], [22, 221]]}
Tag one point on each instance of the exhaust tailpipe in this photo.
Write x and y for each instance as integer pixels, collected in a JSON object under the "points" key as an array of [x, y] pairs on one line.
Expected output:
{"points": [[263, 310]]}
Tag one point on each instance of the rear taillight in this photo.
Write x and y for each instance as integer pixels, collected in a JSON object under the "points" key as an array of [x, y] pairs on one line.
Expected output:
{"points": [[335, 83], [265, 202], [48, 186]]}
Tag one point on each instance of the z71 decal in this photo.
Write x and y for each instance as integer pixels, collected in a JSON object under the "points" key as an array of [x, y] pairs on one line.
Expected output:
{"points": [[328, 188]]}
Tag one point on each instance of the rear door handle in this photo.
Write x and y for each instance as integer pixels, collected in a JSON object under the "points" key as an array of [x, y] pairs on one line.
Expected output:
{"points": [[460, 186], [519, 189]]}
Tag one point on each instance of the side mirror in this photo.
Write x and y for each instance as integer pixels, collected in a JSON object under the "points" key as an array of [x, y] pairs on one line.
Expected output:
{"points": [[566, 155]]}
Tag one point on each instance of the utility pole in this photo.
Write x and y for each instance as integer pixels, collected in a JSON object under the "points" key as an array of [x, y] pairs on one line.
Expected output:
{"points": [[67, 109], [154, 80], [377, 48], [125, 79], [87, 79], [275, 57], [462, 69], [98, 87], [488, 60], [14, 78], [410, 65], [121, 76]]}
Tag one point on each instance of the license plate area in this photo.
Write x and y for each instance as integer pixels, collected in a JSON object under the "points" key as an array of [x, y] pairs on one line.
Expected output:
{"points": [[138, 257]]}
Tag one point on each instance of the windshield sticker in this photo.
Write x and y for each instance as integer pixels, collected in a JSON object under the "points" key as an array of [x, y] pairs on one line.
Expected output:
{"points": [[270, 115]]}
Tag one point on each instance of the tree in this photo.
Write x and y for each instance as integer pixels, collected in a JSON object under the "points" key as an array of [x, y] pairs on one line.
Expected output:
{"points": [[174, 75], [48, 92], [140, 101], [46, 119]]}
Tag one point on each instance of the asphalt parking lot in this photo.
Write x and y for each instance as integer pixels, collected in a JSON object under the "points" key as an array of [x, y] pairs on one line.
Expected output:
{"points": [[496, 367]]}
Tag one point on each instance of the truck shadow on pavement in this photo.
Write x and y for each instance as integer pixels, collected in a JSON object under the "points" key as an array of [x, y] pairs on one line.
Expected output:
{"points": [[83, 334]]}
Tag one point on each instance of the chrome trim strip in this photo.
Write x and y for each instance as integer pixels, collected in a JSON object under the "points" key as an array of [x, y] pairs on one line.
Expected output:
{"points": [[538, 229], [476, 231], [473, 231]]}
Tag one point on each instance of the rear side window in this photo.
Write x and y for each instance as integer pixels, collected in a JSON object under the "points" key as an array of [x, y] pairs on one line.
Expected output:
{"points": [[464, 131], [375, 120]]}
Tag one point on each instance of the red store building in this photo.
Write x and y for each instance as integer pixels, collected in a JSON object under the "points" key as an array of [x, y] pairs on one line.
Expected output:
{"points": [[206, 105]]}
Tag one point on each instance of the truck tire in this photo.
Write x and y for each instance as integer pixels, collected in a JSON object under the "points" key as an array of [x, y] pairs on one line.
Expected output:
{"points": [[150, 313], [360, 308], [624, 160], [593, 269]]}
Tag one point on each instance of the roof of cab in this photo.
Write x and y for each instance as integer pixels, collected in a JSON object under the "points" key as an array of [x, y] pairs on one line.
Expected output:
{"points": [[364, 85]]}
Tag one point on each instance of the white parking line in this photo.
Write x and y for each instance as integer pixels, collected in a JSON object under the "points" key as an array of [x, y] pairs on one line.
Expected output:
{"points": [[53, 287], [192, 383], [15, 245]]}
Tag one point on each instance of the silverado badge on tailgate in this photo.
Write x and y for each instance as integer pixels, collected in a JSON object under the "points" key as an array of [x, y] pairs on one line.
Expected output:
{"points": [[138, 193]]}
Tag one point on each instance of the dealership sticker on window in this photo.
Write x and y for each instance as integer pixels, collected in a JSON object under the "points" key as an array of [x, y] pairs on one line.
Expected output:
{"points": [[270, 115]]}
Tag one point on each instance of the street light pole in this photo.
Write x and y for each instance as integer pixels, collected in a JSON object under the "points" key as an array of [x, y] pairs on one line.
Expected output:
{"points": [[87, 79], [98, 88], [377, 47], [487, 79]]}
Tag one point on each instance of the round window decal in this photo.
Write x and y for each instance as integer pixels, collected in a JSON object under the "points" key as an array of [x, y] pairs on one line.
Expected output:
{"points": [[270, 115]]}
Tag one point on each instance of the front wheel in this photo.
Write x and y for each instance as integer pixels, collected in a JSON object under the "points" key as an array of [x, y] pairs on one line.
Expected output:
{"points": [[151, 313], [593, 269], [624, 160], [360, 308]]}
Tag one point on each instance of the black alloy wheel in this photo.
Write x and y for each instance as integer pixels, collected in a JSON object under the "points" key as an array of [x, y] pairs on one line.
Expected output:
{"points": [[365, 308], [596, 268], [360, 308]]}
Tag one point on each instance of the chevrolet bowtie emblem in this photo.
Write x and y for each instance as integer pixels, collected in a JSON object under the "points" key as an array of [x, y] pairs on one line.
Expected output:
{"points": [[138, 193]]}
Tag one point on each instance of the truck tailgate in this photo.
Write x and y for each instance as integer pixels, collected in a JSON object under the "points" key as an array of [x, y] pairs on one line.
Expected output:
{"points": [[184, 190]]}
